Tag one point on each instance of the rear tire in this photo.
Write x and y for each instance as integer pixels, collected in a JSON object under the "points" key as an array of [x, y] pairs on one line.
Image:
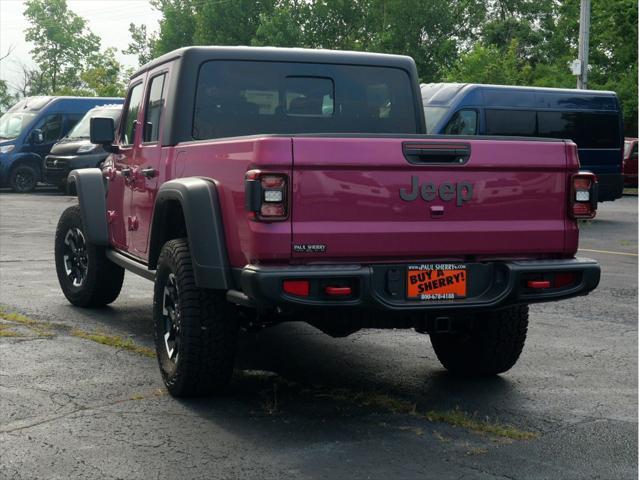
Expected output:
{"points": [[23, 178], [86, 276], [492, 345], [196, 329]]}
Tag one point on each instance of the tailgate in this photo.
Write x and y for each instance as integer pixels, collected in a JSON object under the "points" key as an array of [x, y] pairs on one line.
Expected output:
{"points": [[377, 199]]}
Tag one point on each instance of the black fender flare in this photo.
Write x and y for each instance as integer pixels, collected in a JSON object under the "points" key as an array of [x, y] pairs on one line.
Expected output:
{"points": [[91, 191], [205, 231]]}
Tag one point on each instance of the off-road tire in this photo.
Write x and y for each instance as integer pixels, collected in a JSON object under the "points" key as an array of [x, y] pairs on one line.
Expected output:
{"points": [[103, 279], [491, 345], [23, 178], [206, 326]]}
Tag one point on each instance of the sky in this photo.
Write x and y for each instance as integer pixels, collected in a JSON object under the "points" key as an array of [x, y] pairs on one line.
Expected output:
{"points": [[108, 19]]}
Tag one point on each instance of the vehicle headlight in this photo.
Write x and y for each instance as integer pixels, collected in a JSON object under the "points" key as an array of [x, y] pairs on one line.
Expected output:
{"points": [[87, 148], [6, 148]]}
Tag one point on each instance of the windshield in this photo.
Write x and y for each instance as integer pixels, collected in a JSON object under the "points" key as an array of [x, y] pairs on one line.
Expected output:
{"points": [[82, 129], [13, 123], [433, 116]]}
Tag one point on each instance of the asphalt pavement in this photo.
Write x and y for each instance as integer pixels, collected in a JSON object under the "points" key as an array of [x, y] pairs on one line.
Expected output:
{"points": [[81, 395]]}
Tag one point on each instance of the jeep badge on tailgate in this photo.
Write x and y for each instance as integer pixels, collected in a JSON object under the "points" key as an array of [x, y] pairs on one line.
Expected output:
{"points": [[462, 191]]}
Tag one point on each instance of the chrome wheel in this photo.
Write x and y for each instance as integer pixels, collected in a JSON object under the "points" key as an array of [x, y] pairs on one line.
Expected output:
{"points": [[75, 257], [171, 314]]}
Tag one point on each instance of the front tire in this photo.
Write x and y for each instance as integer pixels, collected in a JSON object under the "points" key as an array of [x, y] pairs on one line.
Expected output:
{"points": [[196, 329], [23, 178], [86, 276], [491, 345]]}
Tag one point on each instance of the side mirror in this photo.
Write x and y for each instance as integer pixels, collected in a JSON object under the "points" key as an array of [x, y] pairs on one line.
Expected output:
{"points": [[102, 132], [37, 137]]}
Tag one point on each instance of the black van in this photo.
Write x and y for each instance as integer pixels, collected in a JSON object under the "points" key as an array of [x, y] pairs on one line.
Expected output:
{"points": [[590, 118]]}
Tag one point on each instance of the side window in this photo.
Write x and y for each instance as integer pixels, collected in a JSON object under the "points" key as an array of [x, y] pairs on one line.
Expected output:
{"points": [[71, 120], [586, 129], [464, 122], [51, 127], [129, 121], [153, 109], [511, 123]]}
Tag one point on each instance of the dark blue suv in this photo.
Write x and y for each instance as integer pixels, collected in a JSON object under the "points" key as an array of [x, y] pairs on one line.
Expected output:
{"points": [[30, 128]]}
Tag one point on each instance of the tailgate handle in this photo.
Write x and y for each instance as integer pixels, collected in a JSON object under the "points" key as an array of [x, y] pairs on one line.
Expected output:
{"points": [[436, 153]]}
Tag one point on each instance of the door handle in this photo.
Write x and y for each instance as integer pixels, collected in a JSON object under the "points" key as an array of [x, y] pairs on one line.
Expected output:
{"points": [[149, 172]]}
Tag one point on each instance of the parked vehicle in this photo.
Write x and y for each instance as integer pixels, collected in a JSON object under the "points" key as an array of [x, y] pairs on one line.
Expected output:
{"points": [[30, 128], [261, 185], [630, 162], [76, 150], [591, 119]]}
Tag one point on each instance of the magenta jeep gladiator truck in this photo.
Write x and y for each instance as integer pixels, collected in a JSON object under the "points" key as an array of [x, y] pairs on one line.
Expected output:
{"points": [[256, 185]]}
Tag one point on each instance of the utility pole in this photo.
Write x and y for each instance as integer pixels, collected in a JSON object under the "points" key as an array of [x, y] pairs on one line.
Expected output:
{"points": [[584, 37]]}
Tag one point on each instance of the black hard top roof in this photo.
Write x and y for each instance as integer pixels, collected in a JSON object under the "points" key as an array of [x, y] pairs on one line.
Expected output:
{"points": [[201, 54]]}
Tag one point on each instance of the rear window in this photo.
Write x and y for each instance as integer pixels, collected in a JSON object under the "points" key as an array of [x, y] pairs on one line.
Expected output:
{"points": [[236, 98], [586, 129]]}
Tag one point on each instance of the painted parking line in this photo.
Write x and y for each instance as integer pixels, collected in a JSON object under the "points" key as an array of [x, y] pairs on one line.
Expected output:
{"points": [[609, 252]]}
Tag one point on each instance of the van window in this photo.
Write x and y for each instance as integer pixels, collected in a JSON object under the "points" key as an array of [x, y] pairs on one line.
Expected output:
{"points": [[51, 126], [464, 122], [517, 123], [130, 117], [433, 115], [153, 109], [586, 129], [72, 121], [236, 98]]}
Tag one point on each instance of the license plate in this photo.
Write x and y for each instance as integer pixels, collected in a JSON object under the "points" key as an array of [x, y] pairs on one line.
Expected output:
{"points": [[436, 281]]}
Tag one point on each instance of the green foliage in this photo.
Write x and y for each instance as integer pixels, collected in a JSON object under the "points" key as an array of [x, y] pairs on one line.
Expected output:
{"points": [[67, 54], [520, 42], [61, 40], [142, 43], [6, 98]]}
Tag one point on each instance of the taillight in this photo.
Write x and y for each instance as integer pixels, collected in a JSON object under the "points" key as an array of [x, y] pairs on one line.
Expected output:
{"points": [[265, 194], [583, 195]]}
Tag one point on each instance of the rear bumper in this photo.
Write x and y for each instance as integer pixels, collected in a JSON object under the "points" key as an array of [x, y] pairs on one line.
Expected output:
{"points": [[610, 186], [491, 285]]}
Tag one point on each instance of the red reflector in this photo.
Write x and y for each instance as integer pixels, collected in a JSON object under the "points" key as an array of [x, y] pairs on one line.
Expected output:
{"points": [[582, 210], [272, 210], [565, 278], [338, 291], [539, 284], [301, 288]]}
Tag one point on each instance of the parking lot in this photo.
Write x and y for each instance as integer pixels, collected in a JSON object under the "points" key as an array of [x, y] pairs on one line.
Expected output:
{"points": [[81, 395]]}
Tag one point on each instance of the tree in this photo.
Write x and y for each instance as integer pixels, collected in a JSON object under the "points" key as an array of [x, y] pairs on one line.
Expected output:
{"points": [[142, 44], [61, 40], [6, 98]]}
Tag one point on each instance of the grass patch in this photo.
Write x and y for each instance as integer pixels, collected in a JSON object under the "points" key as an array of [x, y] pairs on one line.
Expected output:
{"points": [[371, 399], [40, 328], [114, 341], [459, 418], [456, 417], [5, 331]]}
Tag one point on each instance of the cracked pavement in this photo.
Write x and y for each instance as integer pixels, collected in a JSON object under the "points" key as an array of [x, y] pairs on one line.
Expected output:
{"points": [[302, 404]]}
